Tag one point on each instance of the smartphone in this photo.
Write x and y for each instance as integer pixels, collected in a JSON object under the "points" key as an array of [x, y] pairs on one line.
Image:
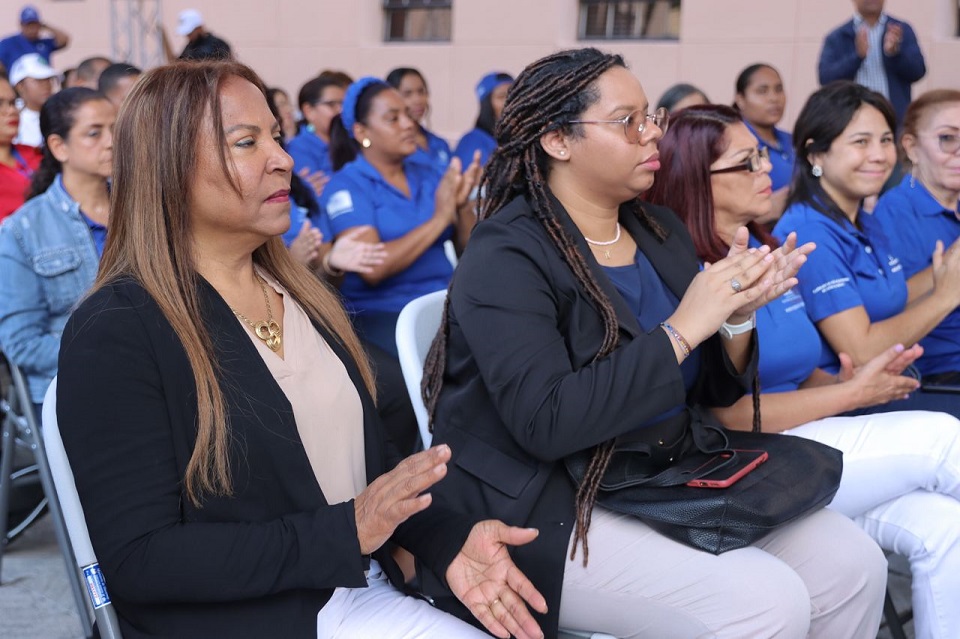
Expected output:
{"points": [[941, 383], [728, 474]]}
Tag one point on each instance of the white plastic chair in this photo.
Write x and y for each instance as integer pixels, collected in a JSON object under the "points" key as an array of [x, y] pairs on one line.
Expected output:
{"points": [[416, 327], [69, 500]]}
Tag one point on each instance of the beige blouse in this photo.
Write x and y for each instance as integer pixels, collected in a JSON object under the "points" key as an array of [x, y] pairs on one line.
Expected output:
{"points": [[326, 405]]}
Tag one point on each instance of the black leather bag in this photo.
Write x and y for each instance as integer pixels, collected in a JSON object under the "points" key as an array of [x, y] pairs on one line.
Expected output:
{"points": [[799, 477]]}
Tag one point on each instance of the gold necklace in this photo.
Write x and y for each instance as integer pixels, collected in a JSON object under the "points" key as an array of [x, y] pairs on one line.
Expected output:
{"points": [[604, 245], [268, 331]]}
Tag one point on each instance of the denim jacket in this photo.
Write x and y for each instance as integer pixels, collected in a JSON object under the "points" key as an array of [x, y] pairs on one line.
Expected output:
{"points": [[48, 261]]}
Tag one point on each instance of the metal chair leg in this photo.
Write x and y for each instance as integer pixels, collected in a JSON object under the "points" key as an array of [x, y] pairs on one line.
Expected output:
{"points": [[8, 442], [892, 617], [34, 438]]}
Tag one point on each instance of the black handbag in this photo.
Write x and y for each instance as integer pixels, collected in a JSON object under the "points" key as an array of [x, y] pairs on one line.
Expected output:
{"points": [[799, 477]]}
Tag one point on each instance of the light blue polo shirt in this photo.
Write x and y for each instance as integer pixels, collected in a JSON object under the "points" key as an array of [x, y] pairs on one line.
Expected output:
{"points": [[913, 221], [358, 195], [310, 152], [850, 268], [782, 156], [475, 139]]}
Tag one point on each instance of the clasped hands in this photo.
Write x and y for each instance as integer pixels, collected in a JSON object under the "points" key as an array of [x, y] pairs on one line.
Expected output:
{"points": [[733, 288], [482, 576]]}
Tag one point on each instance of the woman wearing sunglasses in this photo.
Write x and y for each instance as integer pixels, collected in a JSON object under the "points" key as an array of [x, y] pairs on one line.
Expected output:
{"points": [[854, 286], [923, 210], [577, 314], [901, 470]]}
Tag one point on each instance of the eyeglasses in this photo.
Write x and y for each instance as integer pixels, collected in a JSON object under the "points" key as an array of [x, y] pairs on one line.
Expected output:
{"points": [[635, 123], [949, 142], [752, 164]]}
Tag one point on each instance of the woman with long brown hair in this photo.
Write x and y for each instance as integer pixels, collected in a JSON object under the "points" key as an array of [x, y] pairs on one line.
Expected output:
{"points": [[577, 315], [216, 406]]}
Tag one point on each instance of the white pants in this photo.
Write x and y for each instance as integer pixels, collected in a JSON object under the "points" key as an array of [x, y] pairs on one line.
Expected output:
{"points": [[820, 576], [901, 484], [380, 611]]}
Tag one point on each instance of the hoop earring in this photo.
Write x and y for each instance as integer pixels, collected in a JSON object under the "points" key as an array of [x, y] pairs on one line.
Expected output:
{"points": [[366, 143], [816, 171]]}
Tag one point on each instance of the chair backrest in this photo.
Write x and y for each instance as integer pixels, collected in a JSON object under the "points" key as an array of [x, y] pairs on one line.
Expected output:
{"points": [[416, 327], [73, 516]]}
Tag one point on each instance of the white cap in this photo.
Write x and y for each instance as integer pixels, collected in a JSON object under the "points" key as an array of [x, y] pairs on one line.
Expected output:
{"points": [[189, 20], [31, 65]]}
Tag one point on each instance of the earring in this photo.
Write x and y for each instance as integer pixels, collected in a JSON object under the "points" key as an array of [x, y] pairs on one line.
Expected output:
{"points": [[562, 153], [817, 170], [366, 143], [913, 175]]}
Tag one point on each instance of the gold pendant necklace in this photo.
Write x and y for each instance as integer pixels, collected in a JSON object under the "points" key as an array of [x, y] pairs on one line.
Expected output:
{"points": [[604, 245], [267, 331]]}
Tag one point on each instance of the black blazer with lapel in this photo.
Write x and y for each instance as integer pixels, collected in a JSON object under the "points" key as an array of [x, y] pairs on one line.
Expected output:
{"points": [[522, 390], [259, 563]]}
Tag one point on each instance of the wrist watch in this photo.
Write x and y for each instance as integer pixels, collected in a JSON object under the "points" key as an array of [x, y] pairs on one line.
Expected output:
{"points": [[727, 331]]}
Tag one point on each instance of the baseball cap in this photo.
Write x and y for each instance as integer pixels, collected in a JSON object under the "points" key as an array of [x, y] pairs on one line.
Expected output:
{"points": [[31, 65], [490, 82], [29, 14], [188, 20]]}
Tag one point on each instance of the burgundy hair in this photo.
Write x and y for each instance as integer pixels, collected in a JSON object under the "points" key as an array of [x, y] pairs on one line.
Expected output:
{"points": [[694, 141]]}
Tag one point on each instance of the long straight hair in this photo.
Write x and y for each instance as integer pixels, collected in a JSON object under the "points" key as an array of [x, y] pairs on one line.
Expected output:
{"points": [[155, 157]]}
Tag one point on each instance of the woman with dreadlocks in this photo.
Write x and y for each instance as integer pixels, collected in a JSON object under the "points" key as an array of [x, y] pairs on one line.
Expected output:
{"points": [[576, 316]]}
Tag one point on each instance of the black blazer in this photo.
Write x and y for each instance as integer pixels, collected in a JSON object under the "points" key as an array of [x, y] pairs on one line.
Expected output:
{"points": [[521, 390], [260, 563]]}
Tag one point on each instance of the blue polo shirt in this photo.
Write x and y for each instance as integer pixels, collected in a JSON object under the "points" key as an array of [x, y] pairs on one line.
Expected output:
{"points": [[310, 152], [12, 47], [850, 268], [358, 195], [437, 149], [913, 221], [782, 156], [98, 232], [476, 139]]}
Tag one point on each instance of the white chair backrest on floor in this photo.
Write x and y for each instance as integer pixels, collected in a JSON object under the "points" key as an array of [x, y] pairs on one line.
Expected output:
{"points": [[86, 560], [416, 328]]}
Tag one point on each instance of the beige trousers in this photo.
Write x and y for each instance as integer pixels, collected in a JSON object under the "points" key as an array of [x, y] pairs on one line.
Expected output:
{"points": [[818, 577]]}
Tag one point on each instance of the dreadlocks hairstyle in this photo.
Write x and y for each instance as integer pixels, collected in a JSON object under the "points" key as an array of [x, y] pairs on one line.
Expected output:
{"points": [[546, 96]]}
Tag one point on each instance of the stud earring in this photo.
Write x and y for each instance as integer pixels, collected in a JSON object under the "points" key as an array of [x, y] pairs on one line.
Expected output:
{"points": [[366, 143], [817, 170], [562, 153]]}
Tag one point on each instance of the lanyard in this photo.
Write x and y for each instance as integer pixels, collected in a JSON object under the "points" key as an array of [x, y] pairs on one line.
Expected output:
{"points": [[21, 166]]}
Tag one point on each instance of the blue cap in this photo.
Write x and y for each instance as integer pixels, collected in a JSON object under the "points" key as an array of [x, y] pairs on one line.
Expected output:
{"points": [[490, 82], [29, 14], [349, 112]]}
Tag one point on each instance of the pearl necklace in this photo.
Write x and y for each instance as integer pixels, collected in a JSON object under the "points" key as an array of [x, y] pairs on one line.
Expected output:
{"points": [[606, 252]]}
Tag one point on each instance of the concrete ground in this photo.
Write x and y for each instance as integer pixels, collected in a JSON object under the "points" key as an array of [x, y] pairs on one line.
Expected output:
{"points": [[35, 599]]}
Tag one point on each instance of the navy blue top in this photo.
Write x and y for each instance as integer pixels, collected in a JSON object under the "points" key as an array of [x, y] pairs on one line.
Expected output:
{"points": [[913, 221], [358, 195], [850, 268], [310, 152], [651, 302], [475, 139], [782, 156], [98, 232]]}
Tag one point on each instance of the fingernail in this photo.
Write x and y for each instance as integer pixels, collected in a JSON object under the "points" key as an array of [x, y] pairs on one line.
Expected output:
{"points": [[898, 348], [438, 470]]}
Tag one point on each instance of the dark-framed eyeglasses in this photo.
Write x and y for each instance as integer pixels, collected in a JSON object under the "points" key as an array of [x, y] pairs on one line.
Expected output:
{"points": [[635, 123], [949, 142], [752, 164]]}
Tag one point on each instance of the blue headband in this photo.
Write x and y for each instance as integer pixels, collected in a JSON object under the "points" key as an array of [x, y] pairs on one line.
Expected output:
{"points": [[490, 82], [349, 113]]}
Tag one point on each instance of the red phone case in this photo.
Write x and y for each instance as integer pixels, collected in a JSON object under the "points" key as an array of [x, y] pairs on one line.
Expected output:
{"points": [[731, 476]]}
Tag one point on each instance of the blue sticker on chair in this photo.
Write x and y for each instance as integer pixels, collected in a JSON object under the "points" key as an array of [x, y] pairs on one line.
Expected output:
{"points": [[96, 586]]}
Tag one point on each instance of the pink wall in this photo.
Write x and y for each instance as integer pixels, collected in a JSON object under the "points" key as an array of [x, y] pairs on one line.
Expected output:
{"points": [[718, 39]]}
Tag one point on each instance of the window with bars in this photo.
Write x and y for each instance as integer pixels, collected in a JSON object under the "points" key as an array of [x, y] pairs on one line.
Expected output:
{"points": [[629, 20], [417, 20]]}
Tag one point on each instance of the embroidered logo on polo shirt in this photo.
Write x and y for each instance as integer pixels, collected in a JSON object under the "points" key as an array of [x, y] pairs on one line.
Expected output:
{"points": [[791, 301], [832, 285], [339, 203], [894, 264]]}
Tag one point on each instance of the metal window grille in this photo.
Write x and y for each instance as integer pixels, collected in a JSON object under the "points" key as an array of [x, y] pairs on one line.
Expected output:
{"points": [[417, 20], [629, 20]]}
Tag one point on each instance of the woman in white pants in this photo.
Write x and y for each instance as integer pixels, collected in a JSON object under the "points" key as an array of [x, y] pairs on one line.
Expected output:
{"points": [[901, 476]]}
